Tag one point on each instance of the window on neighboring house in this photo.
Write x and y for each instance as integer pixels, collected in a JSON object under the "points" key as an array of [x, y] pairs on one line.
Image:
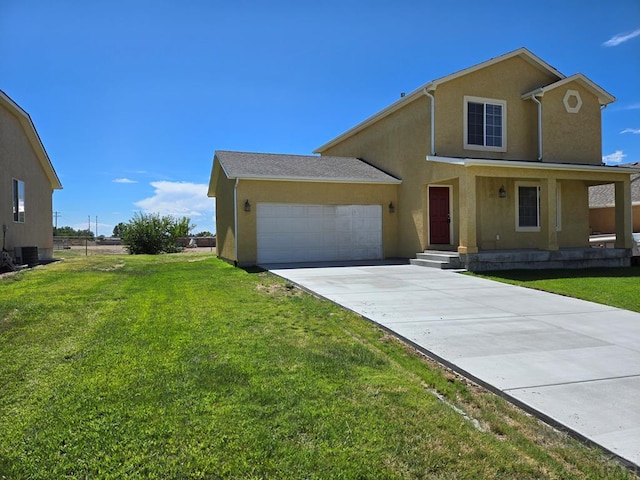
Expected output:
{"points": [[485, 124], [18, 201], [528, 208]]}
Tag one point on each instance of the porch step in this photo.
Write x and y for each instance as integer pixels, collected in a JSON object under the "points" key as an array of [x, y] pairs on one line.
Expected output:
{"points": [[437, 259]]}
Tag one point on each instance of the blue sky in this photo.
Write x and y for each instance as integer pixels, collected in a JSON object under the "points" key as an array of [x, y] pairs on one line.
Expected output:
{"points": [[131, 98]]}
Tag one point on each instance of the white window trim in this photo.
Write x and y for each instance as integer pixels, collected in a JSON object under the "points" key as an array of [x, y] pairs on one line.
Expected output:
{"points": [[517, 195], [494, 101]]}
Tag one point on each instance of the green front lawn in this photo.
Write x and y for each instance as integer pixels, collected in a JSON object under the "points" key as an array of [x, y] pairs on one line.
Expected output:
{"points": [[618, 287], [181, 366]]}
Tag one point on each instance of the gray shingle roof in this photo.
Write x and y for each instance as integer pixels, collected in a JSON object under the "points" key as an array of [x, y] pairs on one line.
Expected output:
{"points": [[270, 166], [603, 195]]}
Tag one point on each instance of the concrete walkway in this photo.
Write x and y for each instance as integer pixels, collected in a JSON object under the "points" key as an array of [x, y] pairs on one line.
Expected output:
{"points": [[575, 362]]}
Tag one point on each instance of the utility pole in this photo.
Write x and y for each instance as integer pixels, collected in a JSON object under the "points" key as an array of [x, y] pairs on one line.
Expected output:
{"points": [[55, 216], [96, 226]]}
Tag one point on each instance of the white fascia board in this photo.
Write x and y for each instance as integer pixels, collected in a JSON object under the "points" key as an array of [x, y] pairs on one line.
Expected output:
{"points": [[318, 180], [481, 162]]}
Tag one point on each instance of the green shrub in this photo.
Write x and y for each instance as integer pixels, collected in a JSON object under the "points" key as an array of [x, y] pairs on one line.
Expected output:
{"points": [[153, 234]]}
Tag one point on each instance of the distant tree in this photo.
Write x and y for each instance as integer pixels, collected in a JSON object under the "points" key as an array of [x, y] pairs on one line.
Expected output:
{"points": [[205, 233], [72, 232], [85, 233], [117, 230], [153, 234], [66, 232]]}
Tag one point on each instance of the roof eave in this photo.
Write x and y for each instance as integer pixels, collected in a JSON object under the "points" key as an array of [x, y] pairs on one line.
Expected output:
{"points": [[481, 162], [395, 106], [32, 134], [318, 179], [215, 174], [604, 97]]}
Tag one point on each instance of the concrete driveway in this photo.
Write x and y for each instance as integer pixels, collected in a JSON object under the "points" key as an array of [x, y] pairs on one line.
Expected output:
{"points": [[575, 362]]}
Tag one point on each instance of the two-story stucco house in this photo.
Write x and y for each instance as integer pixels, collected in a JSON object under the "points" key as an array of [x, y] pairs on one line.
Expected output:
{"points": [[27, 182], [492, 163]]}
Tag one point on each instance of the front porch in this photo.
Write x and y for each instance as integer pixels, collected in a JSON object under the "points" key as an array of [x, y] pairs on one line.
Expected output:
{"points": [[513, 214], [525, 259]]}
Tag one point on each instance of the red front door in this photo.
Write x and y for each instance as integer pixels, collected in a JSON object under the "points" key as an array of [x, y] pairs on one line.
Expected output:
{"points": [[439, 218]]}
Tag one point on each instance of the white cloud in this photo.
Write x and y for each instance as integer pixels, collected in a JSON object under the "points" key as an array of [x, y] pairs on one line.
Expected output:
{"points": [[615, 157], [621, 38], [124, 180], [178, 199], [635, 131]]}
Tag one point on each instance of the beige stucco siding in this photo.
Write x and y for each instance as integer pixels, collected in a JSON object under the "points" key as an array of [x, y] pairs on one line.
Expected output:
{"points": [[574, 231], [225, 222], [506, 81], [497, 216], [18, 160], [313, 193], [398, 144], [571, 137]]}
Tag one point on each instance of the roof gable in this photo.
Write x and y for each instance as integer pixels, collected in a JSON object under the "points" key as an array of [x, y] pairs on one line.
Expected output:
{"points": [[604, 97], [34, 139], [522, 53], [303, 168]]}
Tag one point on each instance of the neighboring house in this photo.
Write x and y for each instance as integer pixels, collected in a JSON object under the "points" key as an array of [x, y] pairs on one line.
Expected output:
{"points": [[493, 162], [27, 181], [602, 218]]}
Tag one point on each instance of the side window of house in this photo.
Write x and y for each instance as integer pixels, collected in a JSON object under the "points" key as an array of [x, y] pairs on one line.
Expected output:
{"points": [[485, 124], [18, 201], [528, 208]]}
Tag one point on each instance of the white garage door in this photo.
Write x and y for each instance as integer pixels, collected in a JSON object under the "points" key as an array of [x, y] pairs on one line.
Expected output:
{"points": [[316, 233]]}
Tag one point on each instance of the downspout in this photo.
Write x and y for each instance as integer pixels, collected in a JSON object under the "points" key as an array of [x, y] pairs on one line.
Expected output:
{"points": [[433, 114], [235, 219], [535, 99]]}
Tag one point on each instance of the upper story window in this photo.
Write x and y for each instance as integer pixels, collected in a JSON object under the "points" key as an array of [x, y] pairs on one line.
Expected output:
{"points": [[18, 201], [485, 124]]}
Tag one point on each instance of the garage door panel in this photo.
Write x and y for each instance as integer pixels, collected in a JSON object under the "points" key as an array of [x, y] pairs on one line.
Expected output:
{"points": [[300, 233]]}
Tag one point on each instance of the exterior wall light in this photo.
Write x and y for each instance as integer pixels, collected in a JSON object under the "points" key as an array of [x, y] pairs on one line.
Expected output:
{"points": [[502, 192], [247, 206], [392, 207]]}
